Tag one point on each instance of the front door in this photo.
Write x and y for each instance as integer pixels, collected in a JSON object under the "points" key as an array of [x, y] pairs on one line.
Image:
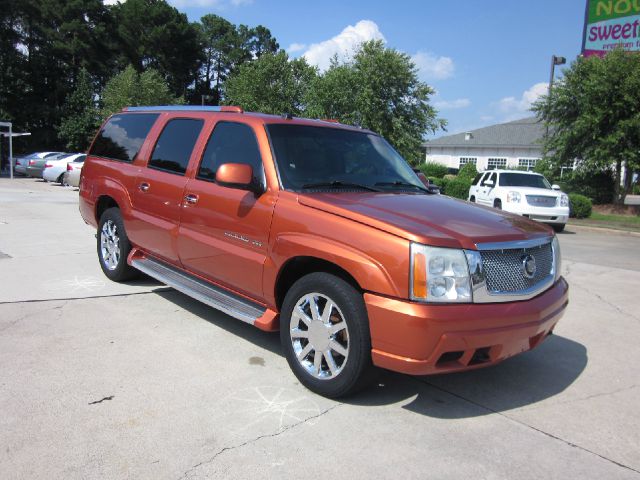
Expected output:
{"points": [[159, 188], [224, 232]]}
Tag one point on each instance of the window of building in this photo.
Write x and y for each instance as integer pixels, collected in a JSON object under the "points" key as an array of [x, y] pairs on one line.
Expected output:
{"points": [[494, 163], [528, 163], [122, 136], [465, 160], [173, 148], [231, 143]]}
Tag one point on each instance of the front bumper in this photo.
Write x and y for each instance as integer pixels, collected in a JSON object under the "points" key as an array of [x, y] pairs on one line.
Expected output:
{"points": [[541, 214], [421, 339]]}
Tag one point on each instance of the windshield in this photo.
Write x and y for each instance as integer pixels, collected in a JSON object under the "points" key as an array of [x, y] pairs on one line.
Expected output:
{"points": [[523, 180], [309, 157]]}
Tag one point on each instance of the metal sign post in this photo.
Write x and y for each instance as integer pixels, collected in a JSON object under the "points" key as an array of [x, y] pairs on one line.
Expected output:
{"points": [[9, 125]]}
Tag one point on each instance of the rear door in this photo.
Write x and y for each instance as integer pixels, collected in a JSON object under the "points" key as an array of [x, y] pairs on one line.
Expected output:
{"points": [[159, 187], [224, 232]]}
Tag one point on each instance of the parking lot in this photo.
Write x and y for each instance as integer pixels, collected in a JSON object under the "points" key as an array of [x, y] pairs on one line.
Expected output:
{"points": [[104, 380]]}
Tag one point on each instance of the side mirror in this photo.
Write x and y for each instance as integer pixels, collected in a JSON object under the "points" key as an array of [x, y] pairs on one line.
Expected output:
{"points": [[237, 175], [489, 183], [555, 186]]}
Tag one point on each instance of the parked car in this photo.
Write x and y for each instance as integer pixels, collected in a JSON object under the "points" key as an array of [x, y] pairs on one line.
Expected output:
{"points": [[72, 175], [523, 193], [36, 165], [432, 187], [55, 169], [22, 162], [322, 231]]}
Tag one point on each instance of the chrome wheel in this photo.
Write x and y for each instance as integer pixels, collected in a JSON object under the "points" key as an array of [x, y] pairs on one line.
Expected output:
{"points": [[319, 336], [110, 245]]}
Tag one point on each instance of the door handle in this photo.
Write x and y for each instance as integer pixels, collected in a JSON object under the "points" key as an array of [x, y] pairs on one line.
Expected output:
{"points": [[191, 199], [144, 187]]}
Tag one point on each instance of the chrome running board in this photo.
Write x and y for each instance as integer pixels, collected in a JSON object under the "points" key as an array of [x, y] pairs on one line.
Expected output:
{"points": [[194, 287]]}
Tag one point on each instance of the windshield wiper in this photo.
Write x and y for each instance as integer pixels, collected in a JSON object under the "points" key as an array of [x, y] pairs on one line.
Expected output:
{"points": [[339, 184], [398, 183]]}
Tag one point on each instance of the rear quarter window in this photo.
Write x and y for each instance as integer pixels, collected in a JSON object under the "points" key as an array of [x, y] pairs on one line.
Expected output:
{"points": [[122, 136]]}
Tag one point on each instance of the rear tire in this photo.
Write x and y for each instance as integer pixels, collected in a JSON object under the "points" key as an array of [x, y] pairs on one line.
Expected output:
{"points": [[60, 179], [324, 330], [114, 247]]}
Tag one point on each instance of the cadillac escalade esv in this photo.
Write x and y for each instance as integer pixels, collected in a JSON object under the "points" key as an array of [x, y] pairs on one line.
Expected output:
{"points": [[322, 231]]}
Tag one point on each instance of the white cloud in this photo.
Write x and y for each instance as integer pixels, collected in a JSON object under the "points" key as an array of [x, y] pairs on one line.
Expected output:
{"points": [[343, 44], [432, 67], [110, 2], [238, 3], [452, 104], [296, 47], [513, 108]]}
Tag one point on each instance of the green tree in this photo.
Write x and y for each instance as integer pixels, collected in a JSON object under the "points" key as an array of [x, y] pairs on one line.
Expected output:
{"points": [[130, 88], [593, 114], [81, 117], [153, 34], [271, 84], [219, 39], [380, 90]]}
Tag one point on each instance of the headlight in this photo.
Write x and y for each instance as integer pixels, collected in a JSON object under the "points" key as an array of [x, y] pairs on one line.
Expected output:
{"points": [[513, 197], [557, 261], [439, 275], [564, 200]]}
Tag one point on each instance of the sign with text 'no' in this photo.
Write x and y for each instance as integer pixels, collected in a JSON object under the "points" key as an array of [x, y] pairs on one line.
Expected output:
{"points": [[611, 24]]}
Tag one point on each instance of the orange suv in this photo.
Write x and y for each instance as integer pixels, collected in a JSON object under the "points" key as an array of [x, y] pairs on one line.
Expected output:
{"points": [[322, 231]]}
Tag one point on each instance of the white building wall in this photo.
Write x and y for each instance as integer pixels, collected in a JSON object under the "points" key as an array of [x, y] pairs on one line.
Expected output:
{"points": [[450, 156]]}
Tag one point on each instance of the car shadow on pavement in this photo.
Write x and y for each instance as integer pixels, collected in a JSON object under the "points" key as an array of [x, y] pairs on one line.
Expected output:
{"points": [[518, 382], [264, 340], [515, 383]]}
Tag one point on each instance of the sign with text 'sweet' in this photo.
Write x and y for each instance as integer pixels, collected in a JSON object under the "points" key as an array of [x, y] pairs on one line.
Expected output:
{"points": [[610, 24]]}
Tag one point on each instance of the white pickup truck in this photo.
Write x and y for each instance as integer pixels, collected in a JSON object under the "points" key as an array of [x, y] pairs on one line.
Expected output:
{"points": [[523, 193]]}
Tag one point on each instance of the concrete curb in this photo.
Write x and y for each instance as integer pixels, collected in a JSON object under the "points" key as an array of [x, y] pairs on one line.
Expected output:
{"points": [[603, 229]]}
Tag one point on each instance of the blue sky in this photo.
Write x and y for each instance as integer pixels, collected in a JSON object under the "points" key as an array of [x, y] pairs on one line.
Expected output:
{"points": [[487, 59]]}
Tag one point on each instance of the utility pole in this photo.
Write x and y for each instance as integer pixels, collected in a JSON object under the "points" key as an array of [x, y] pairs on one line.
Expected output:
{"points": [[554, 61]]}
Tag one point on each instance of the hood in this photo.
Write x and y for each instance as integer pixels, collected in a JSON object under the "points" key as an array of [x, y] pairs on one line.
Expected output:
{"points": [[435, 220], [544, 192]]}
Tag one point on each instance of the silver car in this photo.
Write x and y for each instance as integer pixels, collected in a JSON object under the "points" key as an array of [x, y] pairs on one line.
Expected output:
{"points": [[22, 162], [36, 165], [72, 175]]}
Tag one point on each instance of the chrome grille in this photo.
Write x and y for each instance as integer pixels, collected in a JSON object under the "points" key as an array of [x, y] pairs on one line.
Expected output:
{"points": [[504, 270], [541, 201]]}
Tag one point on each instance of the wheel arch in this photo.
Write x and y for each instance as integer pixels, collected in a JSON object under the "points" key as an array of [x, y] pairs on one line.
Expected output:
{"points": [[297, 267]]}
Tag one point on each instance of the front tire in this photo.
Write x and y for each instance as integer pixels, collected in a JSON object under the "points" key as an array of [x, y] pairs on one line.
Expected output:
{"points": [[114, 247], [558, 227], [324, 330], [497, 204], [472, 199]]}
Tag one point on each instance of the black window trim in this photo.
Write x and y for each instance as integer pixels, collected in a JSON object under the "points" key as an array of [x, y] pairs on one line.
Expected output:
{"points": [[204, 150], [129, 162], [165, 170]]}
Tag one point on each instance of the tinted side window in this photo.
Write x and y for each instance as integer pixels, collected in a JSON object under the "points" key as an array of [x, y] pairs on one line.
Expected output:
{"points": [[477, 179], [122, 136], [175, 144], [231, 143]]}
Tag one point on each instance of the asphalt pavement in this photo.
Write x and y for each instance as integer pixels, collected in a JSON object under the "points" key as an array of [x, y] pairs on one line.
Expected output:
{"points": [[109, 381]]}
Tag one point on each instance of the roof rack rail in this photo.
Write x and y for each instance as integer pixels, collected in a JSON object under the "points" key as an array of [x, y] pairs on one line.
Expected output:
{"points": [[185, 108]]}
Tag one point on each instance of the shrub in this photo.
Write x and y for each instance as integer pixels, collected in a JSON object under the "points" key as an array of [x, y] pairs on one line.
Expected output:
{"points": [[580, 206], [636, 189], [599, 186], [468, 171], [457, 187], [432, 169]]}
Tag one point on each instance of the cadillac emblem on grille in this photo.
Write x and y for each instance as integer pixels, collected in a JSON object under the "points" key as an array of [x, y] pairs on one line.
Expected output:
{"points": [[529, 266]]}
